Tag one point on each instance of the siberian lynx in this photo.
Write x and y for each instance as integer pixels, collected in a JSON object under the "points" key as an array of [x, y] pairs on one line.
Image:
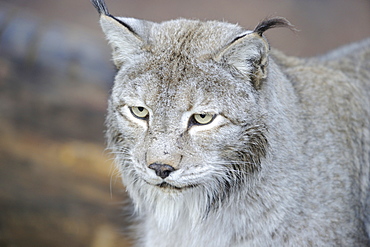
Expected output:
{"points": [[224, 142]]}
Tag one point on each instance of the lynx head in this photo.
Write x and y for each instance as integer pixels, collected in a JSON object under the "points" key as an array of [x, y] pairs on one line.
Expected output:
{"points": [[184, 118]]}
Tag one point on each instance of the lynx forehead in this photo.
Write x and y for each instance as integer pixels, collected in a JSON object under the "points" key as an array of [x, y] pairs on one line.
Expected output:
{"points": [[223, 142]]}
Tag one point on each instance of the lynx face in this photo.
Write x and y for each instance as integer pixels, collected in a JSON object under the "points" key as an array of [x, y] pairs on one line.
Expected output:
{"points": [[178, 137], [180, 132], [185, 120]]}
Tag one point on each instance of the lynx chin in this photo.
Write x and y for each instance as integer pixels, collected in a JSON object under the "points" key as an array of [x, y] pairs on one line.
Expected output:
{"points": [[222, 141]]}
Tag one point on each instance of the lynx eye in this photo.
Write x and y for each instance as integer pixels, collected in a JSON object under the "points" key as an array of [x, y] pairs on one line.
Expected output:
{"points": [[139, 112], [202, 119]]}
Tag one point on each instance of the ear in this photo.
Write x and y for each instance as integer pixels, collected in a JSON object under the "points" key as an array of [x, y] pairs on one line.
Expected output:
{"points": [[125, 35], [248, 52]]}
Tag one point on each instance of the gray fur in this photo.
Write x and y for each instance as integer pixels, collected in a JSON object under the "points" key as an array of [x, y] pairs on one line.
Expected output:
{"points": [[285, 162]]}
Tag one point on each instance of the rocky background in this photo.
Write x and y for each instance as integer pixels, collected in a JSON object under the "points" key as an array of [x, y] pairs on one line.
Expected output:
{"points": [[58, 186]]}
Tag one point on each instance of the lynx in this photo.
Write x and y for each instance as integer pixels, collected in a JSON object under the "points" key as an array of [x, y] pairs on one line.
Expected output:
{"points": [[222, 141]]}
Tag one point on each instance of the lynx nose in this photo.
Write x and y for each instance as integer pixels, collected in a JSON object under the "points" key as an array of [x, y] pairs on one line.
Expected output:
{"points": [[162, 170]]}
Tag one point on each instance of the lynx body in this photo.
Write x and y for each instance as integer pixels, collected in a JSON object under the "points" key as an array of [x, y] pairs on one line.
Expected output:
{"points": [[223, 142]]}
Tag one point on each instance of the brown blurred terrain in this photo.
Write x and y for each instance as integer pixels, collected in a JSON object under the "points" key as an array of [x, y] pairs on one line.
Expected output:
{"points": [[58, 186]]}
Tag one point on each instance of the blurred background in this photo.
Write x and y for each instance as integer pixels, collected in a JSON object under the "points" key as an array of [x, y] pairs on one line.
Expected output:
{"points": [[58, 186]]}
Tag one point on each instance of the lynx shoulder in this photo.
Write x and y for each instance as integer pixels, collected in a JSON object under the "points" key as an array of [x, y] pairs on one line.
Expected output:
{"points": [[222, 141]]}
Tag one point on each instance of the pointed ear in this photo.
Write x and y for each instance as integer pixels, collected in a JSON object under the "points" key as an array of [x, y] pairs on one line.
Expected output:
{"points": [[122, 37], [248, 52], [125, 35]]}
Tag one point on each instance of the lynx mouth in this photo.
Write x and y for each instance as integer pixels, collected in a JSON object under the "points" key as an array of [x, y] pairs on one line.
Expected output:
{"points": [[167, 186]]}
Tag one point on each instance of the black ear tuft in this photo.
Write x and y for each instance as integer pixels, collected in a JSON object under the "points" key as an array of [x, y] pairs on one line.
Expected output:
{"points": [[271, 23], [100, 6]]}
